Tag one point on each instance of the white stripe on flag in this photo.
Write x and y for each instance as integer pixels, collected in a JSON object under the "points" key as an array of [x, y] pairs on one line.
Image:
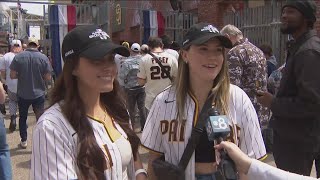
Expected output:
{"points": [[63, 25], [153, 23]]}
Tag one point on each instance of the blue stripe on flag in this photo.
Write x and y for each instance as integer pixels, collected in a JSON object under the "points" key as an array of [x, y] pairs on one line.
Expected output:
{"points": [[54, 33], [146, 24]]}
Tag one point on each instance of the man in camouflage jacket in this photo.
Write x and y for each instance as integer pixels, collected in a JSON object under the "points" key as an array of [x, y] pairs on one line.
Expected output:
{"points": [[247, 69]]}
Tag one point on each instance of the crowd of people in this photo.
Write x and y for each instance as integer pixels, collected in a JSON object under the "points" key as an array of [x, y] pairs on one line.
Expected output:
{"points": [[24, 72], [89, 130]]}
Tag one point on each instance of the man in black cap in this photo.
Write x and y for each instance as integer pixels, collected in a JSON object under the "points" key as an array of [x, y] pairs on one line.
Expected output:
{"points": [[296, 107]]}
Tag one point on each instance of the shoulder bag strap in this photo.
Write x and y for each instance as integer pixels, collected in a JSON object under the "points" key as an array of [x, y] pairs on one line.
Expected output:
{"points": [[195, 134], [163, 69]]}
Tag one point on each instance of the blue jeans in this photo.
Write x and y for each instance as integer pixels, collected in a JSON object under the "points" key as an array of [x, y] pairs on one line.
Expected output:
{"points": [[24, 104], [205, 177], [5, 162], [137, 96]]}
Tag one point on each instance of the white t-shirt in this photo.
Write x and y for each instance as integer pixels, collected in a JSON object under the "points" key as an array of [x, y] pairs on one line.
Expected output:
{"points": [[119, 60], [164, 134], [157, 81], [5, 65], [55, 148], [173, 52]]}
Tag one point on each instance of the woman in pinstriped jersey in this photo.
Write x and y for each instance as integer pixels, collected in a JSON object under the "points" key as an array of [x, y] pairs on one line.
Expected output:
{"points": [[85, 134]]}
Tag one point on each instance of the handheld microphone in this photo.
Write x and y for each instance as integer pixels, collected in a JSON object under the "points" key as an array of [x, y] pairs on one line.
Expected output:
{"points": [[217, 125], [218, 129]]}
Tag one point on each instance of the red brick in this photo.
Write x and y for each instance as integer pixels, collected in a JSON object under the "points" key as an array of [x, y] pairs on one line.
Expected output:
{"points": [[207, 11]]}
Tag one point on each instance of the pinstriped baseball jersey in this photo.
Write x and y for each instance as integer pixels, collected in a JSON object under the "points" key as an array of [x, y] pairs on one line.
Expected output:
{"points": [[55, 147], [157, 80], [164, 134]]}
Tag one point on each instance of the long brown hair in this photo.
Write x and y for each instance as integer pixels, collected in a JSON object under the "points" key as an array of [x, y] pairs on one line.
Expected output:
{"points": [[220, 86], [91, 160]]}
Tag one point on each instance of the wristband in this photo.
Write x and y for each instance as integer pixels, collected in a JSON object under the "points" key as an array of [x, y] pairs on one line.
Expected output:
{"points": [[140, 171]]}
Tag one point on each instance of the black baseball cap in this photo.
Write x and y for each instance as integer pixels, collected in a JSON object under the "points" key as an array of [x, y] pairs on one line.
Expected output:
{"points": [[203, 32], [90, 42], [307, 7]]}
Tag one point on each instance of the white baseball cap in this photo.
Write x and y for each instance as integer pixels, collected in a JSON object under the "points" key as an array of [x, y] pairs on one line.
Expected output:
{"points": [[33, 41], [135, 47], [144, 47], [16, 42]]}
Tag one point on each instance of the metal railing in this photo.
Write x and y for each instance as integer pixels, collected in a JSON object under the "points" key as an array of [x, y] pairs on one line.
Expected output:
{"points": [[261, 25], [177, 24]]}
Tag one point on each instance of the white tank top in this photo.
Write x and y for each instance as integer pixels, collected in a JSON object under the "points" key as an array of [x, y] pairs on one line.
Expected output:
{"points": [[124, 147]]}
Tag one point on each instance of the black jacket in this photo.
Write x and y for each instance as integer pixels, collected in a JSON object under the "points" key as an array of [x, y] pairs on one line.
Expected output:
{"points": [[296, 108]]}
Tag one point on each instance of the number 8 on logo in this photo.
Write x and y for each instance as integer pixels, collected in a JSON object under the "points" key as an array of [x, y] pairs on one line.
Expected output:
{"points": [[222, 123]]}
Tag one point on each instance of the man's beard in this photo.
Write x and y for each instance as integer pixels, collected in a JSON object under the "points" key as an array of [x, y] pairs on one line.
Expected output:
{"points": [[288, 29]]}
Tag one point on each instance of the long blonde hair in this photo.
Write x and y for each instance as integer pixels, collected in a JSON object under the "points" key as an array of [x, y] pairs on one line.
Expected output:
{"points": [[220, 87]]}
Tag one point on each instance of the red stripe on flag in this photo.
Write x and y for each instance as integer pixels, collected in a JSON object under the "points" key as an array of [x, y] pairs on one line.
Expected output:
{"points": [[161, 23], [71, 12]]}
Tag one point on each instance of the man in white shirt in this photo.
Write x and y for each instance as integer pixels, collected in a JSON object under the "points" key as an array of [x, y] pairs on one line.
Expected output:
{"points": [[144, 49], [119, 60], [167, 46], [16, 47], [150, 73], [135, 93]]}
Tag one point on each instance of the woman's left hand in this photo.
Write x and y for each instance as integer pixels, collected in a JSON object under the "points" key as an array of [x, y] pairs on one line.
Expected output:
{"points": [[138, 165]]}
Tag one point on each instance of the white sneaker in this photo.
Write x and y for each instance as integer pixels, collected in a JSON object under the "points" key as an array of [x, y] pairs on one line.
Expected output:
{"points": [[23, 144]]}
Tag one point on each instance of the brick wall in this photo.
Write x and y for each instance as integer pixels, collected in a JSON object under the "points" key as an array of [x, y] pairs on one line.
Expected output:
{"points": [[211, 12], [162, 5], [126, 34], [132, 33], [208, 11]]}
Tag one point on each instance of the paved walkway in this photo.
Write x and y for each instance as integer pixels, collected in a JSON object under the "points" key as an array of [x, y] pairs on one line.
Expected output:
{"points": [[21, 157]]}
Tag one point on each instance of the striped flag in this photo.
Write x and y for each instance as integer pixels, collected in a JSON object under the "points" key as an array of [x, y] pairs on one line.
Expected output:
{"points": [[62, 19], [154, 23]]}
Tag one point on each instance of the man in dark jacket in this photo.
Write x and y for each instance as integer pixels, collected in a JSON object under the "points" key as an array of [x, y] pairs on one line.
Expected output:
{"points": [[296, 107]]}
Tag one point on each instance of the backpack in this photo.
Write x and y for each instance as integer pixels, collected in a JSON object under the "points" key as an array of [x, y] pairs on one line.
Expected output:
{"points": [[131, 70]]}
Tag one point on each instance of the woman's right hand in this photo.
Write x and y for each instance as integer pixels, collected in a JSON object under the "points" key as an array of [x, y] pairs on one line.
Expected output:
{"points": [[241, 160]]}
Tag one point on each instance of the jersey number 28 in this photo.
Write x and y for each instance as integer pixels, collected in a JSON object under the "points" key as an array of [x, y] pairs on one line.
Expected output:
{"points": [[157, 73]]}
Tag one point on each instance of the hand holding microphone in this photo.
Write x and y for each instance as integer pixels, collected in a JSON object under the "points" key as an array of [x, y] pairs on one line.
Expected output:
{"points": [[242, 161], [218, 129]]}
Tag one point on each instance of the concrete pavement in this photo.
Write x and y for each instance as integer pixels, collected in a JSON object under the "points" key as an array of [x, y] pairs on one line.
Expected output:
{"points": [[20, 158]]}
